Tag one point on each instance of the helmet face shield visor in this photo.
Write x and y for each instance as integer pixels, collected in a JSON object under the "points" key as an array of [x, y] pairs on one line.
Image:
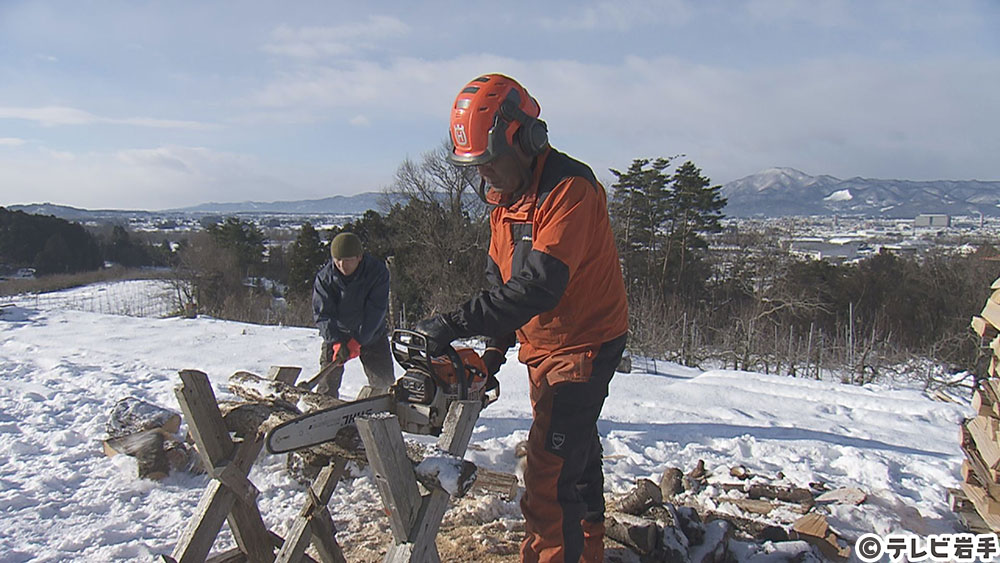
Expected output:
{"points": [[496, 143]]}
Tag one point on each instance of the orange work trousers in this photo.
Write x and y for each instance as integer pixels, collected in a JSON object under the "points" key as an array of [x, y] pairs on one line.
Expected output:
{"points": [[563, 502]]}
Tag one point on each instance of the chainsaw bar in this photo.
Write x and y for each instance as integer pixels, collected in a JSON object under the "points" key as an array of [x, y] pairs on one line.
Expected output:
{"points": [[322, 426]]}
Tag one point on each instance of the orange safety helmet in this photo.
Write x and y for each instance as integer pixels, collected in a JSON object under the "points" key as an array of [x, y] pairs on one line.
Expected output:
{"points": [[491, 114]]}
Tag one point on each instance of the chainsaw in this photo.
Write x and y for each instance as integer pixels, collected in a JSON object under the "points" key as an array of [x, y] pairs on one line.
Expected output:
{"points": [[420, 398]]}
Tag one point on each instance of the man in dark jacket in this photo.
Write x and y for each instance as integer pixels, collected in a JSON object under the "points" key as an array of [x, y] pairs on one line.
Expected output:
{"points": [[350, 303], [554, 280]]}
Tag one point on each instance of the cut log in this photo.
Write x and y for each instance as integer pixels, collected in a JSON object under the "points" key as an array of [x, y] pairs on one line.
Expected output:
{"points": [[967, 513], [814, 529], [990, 388], [986, 507], [755, 506], [496, 482], [974, 462], [982, 405], [847, 495], [644, 495], [259, 389], [147, 449], [696, 478], [761, 506], [132, 416], [141, 429], [247, 419], [284, 374], [787, 494], [984, 329], [444, 471], [991, 312], [671, 483], [638, 534], [740, 472], [990, 505], [182, 457], [984, 435]]}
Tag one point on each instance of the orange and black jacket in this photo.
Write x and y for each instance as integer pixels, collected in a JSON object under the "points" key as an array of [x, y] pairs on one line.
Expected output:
{"points": [[553, 268]]}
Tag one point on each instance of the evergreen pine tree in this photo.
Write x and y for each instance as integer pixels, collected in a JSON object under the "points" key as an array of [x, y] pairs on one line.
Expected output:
{"points": [[308, 255], [638, 209], [659, 220], [244, 239], [694, 208]]}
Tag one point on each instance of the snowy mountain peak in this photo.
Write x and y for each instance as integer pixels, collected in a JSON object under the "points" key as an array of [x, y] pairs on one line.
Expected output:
{"points": [[782, 191], [782, 173]]}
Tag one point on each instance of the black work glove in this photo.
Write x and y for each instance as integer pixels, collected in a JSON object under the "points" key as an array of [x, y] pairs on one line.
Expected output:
{"points": [[493, 359], [439, 332]]}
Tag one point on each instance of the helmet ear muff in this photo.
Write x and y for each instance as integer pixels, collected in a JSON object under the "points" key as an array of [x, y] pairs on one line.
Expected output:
{"points": [[532, 135]]}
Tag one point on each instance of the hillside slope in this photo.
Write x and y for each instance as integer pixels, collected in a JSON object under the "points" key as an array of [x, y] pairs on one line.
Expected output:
{"points": [[63, 369]]}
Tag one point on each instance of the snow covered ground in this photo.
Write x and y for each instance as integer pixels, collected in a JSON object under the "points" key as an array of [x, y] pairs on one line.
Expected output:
{"points": [[62, 369]]}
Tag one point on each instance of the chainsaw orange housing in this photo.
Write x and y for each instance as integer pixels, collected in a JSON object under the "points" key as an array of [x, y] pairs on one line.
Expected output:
{"points": [[445, 372]]}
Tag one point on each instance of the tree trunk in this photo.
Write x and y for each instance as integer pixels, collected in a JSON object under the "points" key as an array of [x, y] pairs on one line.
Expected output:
{"points": [[259, 389]]}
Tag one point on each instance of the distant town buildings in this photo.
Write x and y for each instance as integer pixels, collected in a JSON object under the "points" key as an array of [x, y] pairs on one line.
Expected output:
{"points": [[932, 220], [835, 249]]}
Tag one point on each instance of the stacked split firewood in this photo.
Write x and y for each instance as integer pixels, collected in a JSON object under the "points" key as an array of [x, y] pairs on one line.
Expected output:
{"points": [[978, 501], [676, 520]]}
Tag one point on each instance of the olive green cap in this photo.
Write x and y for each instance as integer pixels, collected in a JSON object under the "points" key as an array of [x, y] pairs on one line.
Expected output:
{"points": [[346, 245]]}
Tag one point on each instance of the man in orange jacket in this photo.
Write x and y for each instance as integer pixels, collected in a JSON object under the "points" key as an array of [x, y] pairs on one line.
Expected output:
{"points": [[555, 281]]}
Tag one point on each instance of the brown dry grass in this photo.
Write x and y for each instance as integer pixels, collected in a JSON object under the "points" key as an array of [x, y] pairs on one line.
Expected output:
{"points": [[57, 282]]}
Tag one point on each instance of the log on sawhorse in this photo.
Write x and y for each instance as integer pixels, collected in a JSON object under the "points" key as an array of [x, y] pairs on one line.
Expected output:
{"points": [[413, 519], [232, 497]]}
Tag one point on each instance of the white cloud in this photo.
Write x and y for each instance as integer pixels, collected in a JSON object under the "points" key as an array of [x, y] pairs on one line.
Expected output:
{"points": [[11, 142], [50, 116], [63, 156], [841, 116], [820, 13], [377, 86], [359, 121], [621, 15], [333, 41], [155, 178]]}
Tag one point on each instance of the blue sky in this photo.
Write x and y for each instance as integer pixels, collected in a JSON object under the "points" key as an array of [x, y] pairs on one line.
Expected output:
{"points": [[152, 105]]}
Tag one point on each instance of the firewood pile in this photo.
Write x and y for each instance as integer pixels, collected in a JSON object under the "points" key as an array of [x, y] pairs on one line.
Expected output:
{"points": [[978, 501], [662, 523]]}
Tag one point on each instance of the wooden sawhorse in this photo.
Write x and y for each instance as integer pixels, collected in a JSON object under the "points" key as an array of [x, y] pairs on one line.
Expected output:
{"points": [[413, 519], [231, 496]]}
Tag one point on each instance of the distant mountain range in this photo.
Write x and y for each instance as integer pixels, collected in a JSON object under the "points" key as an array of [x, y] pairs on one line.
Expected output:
{"points": [[336, 205], [774, 192], [786, 191]]}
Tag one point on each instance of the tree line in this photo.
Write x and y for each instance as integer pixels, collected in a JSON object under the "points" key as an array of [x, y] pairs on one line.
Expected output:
{"points": [[50, 245], [747, 303]]}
